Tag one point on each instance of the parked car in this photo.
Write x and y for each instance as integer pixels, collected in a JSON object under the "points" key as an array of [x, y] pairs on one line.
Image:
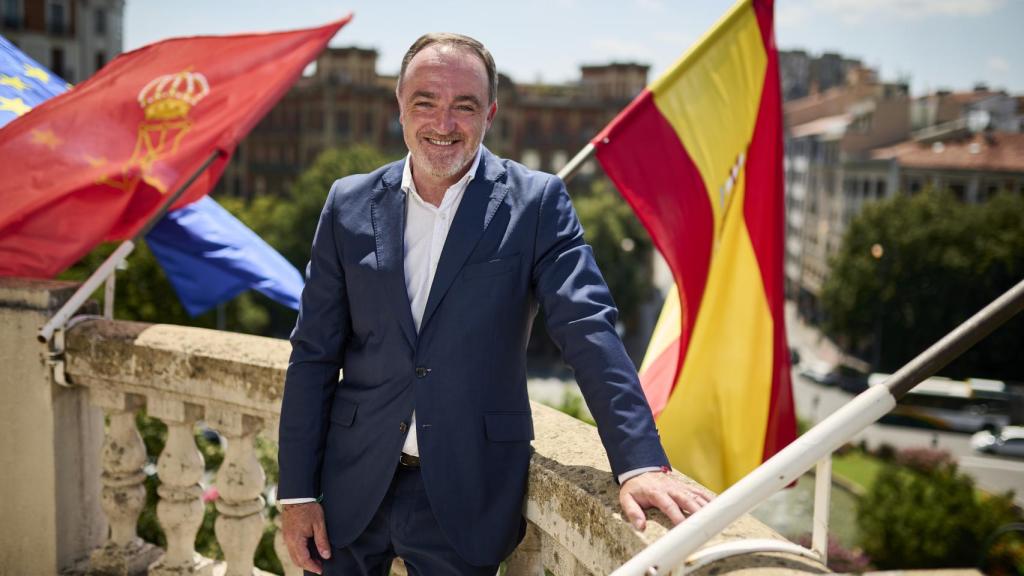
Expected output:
{"points": [[844, 377], [820, 372], [1008, 441]]}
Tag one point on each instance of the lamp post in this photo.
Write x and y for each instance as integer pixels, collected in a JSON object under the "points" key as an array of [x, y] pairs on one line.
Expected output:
{"points": [[877, 252]]}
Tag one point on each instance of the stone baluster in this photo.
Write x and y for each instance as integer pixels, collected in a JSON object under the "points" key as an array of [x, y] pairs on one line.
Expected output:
{"points": [[240, 483], [124, 493], [180, 509], [290, 568]]}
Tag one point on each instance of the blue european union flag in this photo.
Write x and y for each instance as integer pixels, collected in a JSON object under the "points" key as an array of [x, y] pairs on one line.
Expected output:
{"points": [[208, 255], [24, 83], [211, 257]]}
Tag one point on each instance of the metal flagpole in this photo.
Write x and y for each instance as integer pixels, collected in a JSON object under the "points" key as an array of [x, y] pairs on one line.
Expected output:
{"points": [[107, 268], [574, 165]]}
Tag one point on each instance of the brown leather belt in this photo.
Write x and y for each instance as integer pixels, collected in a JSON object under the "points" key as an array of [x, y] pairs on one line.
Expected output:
{"points": [[409, 461]]}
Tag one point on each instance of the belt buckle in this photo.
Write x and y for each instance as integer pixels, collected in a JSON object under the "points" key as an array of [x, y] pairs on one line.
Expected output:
{"points": [[409, 461]]}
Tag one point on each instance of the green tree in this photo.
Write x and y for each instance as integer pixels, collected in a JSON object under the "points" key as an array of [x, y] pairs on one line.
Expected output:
{"points": [[927, 517], [622, 249], [912, 268], [288, 223]]}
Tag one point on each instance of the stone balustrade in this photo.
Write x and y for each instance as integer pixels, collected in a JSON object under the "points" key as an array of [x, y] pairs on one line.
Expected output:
{"points": [[233, 383]]}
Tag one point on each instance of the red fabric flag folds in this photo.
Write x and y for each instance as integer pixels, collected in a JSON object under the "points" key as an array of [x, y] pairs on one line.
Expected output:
{"points": [[95, 163]]}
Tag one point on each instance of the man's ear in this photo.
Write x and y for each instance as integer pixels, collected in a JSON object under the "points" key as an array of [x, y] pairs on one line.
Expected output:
{"points": [[491, 111]]}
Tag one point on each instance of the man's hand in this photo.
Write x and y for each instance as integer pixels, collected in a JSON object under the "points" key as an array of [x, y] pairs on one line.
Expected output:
{"points": [[300, 522], [661, 491]]}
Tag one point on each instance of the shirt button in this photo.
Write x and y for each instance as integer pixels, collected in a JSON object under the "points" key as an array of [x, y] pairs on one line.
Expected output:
{"points": [[402, 427], [422, 372]]}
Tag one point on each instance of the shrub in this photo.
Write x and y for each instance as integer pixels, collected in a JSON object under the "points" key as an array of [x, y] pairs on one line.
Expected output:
{"points": [[927, 515]]}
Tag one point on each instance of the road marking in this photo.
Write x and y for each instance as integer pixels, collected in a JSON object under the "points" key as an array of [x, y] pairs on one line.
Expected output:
{"points": [[991, 463]]}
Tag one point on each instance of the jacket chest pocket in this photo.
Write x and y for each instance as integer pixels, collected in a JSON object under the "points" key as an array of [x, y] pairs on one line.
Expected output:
{"points": [[491, 268]]}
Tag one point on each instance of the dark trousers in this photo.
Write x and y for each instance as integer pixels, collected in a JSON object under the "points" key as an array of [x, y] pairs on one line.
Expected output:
{"points": [[403, 526]]}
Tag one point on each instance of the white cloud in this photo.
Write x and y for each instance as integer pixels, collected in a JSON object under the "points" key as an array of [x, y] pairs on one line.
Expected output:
{"points": [[857, 11], [791, 14], [998, 64], [651, 5], [618, 49]]}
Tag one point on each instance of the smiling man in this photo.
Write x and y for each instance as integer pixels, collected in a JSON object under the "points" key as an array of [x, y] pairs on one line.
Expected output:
{"points": [[424, 280]]}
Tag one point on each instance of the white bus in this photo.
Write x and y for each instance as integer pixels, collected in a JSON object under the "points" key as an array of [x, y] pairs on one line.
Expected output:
{"points": [[955, 405]]}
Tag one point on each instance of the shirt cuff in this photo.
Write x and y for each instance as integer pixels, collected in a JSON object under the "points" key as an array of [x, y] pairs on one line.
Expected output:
{"points": [[634, 473], [284, 501]]}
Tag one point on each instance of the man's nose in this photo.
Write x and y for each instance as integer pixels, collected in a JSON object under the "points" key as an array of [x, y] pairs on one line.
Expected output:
{"points": [[445, 121]]}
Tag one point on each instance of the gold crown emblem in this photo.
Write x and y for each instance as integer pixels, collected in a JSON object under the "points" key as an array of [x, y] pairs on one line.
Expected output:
{"points": [[172, 95]]}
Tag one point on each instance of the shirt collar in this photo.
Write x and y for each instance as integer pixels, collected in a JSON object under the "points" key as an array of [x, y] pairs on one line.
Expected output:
{"points": [[408, 186]]}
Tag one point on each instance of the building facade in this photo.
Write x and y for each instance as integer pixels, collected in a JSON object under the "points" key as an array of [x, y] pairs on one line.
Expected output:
{"points": [[73, 38], [867, 140]]}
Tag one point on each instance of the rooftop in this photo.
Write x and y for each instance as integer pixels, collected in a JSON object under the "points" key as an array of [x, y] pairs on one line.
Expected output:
{"points": [[986, 151]]}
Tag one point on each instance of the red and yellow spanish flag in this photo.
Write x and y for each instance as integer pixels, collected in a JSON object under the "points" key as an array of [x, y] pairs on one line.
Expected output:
{"points": [[96, 162], [698, 155]]}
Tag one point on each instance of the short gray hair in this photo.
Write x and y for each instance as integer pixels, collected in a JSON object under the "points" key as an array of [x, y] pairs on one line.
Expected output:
{"points": [[454, 41]]}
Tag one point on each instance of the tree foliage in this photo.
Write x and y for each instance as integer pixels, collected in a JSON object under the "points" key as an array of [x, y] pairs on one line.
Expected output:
{"points": [[928, 516], [939, 262]]}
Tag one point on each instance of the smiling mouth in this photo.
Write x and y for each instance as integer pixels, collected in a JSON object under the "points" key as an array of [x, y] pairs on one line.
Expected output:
{"points": [[441, 141]]}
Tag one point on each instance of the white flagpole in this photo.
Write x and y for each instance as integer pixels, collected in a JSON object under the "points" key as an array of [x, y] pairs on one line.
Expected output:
{"points": [[110, 264]]}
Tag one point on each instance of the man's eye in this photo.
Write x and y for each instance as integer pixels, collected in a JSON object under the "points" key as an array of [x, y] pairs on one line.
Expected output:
{"points": [[465, 108], [423, 104]]}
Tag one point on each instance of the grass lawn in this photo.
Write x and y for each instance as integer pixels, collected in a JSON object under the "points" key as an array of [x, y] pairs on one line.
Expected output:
{"points": [[858, 468]]}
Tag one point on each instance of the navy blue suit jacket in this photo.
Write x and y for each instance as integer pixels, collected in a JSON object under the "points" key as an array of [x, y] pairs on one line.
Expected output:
{"points": [[515, 243]]}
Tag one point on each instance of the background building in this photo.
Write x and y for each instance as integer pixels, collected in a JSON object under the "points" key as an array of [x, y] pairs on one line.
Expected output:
{"points": [[864, 140], [73, 38]]}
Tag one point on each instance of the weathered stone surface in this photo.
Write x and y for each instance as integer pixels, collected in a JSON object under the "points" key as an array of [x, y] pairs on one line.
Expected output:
{"points": [[573, 500], [224, 371]]}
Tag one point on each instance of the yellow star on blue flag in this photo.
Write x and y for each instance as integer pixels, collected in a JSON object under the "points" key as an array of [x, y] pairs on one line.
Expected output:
{"points": [[24, 83]]}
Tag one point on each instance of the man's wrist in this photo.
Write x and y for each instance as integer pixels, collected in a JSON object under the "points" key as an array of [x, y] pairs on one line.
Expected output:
{"points": [[638, 471], [286, 503]]}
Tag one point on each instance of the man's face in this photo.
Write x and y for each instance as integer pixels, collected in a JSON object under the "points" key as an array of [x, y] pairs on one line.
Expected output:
{"points": [[444, 110]]}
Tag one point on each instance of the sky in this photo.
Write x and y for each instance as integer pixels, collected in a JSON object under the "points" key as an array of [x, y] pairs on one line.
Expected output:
{"points": [[936, 44]]}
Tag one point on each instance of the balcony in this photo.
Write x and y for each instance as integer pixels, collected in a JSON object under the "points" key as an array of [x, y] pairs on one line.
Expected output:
{"points": [[75, 463]]}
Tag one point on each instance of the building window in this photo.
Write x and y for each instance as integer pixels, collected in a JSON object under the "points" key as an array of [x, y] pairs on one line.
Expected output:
{"points": [[56, 18], [959, 190], [57, 63], [100, 21], [559, 158], [531, 159], [341, 124], [12, 14]]}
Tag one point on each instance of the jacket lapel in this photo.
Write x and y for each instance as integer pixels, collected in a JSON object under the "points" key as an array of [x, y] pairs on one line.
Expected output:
{"points": [[479, 203], [387, 210]]}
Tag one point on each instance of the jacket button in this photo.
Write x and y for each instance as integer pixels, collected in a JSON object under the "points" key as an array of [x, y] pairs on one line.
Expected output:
{"points": [[422, 372], [402, 427]]}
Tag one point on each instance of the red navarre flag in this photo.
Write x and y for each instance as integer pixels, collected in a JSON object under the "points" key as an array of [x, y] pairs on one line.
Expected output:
{"points": [[698, 155], [95, 163]]}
